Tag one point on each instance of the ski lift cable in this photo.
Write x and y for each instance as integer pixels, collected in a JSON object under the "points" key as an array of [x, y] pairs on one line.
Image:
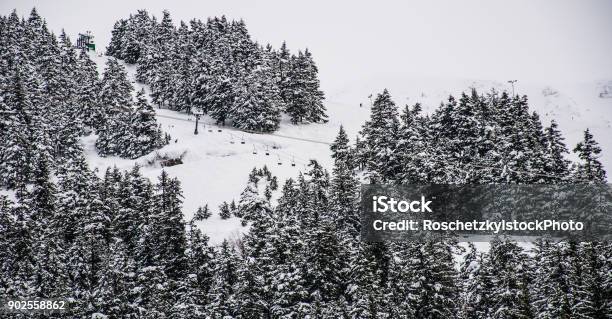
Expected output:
{"points": [[265, 146], [231, 139], [212, 138], [433, 156], [279, 150], [288, 159], [293, 155], [254, 144], [289, 156], [251, 132]]}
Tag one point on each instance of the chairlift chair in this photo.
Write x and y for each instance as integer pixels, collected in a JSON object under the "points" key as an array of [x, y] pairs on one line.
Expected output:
{"points": [[267, 151], [279, 160]]}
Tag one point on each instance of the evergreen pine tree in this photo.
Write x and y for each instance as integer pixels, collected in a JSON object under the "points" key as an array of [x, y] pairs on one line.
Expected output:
{"points": [[590, 169], [202, 213], [171, 228], [380, 135], [224, 211], [222, 296], [557, 165], [147, 134], [316, 110], [87, 92], [16, 154], [257, 103], [344, 185]]}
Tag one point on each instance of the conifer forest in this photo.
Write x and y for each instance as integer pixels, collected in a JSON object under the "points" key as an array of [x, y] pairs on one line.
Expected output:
{"points": [[96, 199]]}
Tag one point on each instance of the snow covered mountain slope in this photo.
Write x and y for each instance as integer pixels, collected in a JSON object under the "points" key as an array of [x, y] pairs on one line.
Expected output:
{"points": [[216, 163], [575, 106]]}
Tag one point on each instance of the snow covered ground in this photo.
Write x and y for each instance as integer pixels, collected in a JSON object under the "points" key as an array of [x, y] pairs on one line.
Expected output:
{"points": [[216, 170], [216, 164], [575, 106]]}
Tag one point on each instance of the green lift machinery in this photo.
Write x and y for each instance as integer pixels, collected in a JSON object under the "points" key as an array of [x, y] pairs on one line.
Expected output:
{"points": [[86, 42]]}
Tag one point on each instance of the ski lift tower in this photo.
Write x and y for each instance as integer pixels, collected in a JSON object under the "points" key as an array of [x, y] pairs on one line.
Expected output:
{"points": [[512, 83], [197, 114], [85, 41]]}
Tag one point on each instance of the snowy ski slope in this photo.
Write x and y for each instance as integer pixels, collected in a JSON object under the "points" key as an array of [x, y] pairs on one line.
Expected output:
{"points": [[216, 164]]}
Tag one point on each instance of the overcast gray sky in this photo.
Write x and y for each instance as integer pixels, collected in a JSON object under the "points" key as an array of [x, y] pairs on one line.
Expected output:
{"points": [[555, 40]]}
